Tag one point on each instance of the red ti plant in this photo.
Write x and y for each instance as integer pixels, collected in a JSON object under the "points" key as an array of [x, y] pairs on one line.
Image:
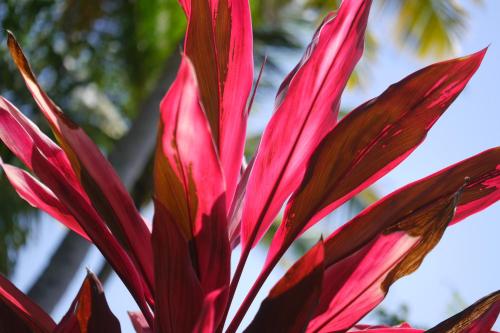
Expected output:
{"points": [[207, 203]]}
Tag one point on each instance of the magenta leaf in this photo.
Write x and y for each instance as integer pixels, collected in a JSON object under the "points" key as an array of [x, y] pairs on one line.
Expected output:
{"points": [[390, 238], [41, 197], [189, 180], [95, 173], [356, 284], [139, 322], [370, 141], [306, 109], [219, 43], [293, 300]]}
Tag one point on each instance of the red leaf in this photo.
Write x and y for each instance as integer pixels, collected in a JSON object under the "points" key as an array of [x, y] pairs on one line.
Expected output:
{"points": [[477, 318], [355, 285], [292, 301], [219, 43], [482, 190], [370, 141], [189, 180], [89, 312], [11, 322], [39, 196], [19, 312], [95, 173], [94, 227], [21, 136], [351, 257], [209, 317], [178, 294], [61, 194], [306, 110], [235, 60], [139, 322]]}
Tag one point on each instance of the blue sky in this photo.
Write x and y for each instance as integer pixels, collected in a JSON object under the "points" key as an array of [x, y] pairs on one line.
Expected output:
{"points": [[466, 260]]}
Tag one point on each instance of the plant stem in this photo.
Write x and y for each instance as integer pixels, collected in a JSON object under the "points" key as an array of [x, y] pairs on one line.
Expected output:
{"points": [[234, 284], [233, 326]]}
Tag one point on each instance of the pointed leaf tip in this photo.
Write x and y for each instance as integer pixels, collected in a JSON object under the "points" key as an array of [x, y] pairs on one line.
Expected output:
{"points": [[89, 311], [362, 246], [189, 180], [355, 285], [18, 56], [306, 110], [371, 141], [95, 174]]}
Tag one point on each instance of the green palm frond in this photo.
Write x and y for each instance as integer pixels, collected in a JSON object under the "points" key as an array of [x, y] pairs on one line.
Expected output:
{"points": [[429, 27]]}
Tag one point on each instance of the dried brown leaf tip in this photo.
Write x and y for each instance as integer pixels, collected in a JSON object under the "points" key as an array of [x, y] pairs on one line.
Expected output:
{"points": [[19, 57], [475, 318]]}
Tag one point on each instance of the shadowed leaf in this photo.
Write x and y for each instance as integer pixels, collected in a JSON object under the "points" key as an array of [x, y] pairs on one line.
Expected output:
{"points": [[355, 285], [292, 301], [94, 172], [89, 312], [370, 141], [20, 314]]}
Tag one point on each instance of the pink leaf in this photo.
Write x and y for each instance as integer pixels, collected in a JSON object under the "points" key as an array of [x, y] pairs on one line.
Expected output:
{"points": [[366, 255], [219, 43], [235, 60], [370, 141], [481, 190], [139, 322], [356, 284], [95, 173], [189, 179], [39, 196], [61, 194], [93, 226], [306, 110], [22, 136], [209, 317]]}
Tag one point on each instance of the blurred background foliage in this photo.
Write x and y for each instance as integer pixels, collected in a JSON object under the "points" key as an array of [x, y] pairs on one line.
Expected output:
{"points": [[100, 59]]}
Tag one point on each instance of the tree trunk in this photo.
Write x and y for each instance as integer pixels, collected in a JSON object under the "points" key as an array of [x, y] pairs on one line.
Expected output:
{"points": [[129, 157]]}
